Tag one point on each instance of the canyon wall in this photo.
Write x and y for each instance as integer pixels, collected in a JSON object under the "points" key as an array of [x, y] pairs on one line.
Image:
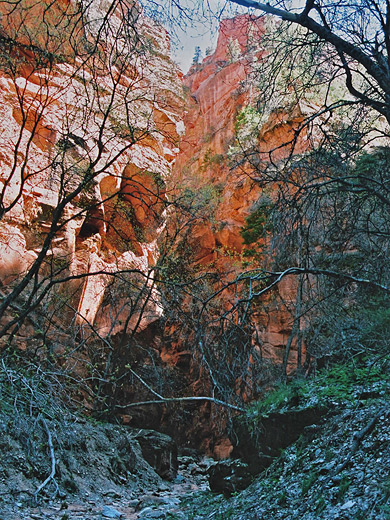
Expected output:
{"points": [[85, 92], [94, 150], [219, 90]]}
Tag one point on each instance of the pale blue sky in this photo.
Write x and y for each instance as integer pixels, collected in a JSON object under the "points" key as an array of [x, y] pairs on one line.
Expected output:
{"points": [[183, 51], [196, 27], [202, 31]]}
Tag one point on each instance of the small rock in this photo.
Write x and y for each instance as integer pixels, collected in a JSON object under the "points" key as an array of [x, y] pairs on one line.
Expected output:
{"points": [[150, 500], [205, 463], [172, 502], [148, 514], [112, 493], [145, 511], [110, 512], [348, 505], [157, 515]]}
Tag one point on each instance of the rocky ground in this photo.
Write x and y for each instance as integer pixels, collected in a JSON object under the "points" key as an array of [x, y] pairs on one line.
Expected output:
{"points": [[110, 477], [160, 502], [337, 467]]}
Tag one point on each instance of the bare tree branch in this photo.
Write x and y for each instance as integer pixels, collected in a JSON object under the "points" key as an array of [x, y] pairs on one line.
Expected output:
{"points": [[182, 400]]}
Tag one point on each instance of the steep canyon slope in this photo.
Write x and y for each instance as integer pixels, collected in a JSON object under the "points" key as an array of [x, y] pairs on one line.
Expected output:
{"points": [[221, 98]]}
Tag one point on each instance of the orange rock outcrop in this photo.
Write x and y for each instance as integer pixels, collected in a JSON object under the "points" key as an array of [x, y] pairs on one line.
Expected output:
{"points": [[83, 94], [218, 90], [103, 102]]}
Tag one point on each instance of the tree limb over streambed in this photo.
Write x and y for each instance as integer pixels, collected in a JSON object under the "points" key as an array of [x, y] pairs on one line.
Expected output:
{"points": [[182, 399]]}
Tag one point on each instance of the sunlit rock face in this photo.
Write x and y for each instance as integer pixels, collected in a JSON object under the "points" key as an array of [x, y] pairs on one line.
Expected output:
{"points": [[85, 92], [218, 90]]}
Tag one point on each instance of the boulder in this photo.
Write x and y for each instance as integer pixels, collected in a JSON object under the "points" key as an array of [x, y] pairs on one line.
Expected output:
{"points": [[160, 451], [259, 443], [229, 476]]}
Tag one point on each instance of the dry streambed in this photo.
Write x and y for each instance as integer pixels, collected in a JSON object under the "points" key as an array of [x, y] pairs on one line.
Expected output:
{"points": [[101, 471]]}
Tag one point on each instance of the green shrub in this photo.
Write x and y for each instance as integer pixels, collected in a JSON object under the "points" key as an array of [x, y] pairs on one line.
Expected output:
{"points": [[340, 383], [308, 482], [344, 485], [258, 224]]}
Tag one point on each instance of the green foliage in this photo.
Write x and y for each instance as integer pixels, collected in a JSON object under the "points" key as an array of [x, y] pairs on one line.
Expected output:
{"points": [[246, 128], [375, 324], [211, 159], [320, 504], [344, 485], [340, 383], [258, 223], [157, 179], [373, 165], [204, 503], [362, 515], [385, 488], [201, 201], [308, 482], [197, 55], [275, 400], [247, 118], [345, 381], [233, 50], [258, 227], [282, 498]]}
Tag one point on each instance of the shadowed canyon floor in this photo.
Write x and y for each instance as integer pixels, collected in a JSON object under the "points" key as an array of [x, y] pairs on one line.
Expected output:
{"points": [[337, 469], [163, 502]]}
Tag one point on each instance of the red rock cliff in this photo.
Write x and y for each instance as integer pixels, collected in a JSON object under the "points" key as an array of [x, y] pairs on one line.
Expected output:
{"points": [[102, 102], [85, 91], [218, 90]]}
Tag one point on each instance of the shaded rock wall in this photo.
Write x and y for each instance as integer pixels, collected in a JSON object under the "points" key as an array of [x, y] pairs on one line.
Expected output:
{"points": [[105, 101]]}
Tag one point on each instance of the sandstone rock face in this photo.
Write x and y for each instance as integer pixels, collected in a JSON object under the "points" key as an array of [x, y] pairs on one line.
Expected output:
{"points": [[219, 89], [96, 94]]}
